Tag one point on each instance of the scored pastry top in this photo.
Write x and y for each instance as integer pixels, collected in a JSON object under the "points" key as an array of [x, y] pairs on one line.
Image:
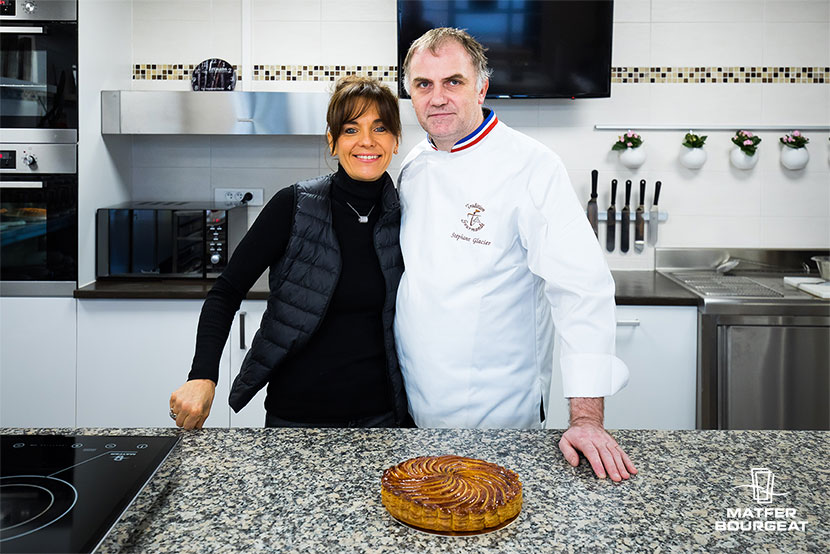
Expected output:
{"points": [[452, 483]]}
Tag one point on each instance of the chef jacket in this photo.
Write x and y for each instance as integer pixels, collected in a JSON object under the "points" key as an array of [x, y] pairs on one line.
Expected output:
{"points": [[497, 249]]}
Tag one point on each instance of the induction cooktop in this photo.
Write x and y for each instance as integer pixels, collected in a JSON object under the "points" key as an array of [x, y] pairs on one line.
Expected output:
{"points": [[61, 493]]}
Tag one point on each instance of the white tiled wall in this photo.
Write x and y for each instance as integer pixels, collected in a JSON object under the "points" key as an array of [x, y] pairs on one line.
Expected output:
{"points": [[715, 206]]}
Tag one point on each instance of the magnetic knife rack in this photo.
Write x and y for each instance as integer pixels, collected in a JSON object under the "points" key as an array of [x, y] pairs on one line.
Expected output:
{"points": [[603, 216]]}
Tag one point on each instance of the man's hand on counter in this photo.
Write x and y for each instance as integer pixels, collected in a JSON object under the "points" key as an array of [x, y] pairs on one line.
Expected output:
{"points": [[191, 403], [587, 435]]}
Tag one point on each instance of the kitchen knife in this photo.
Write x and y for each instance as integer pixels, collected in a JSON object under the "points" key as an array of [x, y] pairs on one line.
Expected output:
{"points": [[654, 215], [593, 215], [611, 223], [640, 222], [626, 219]]}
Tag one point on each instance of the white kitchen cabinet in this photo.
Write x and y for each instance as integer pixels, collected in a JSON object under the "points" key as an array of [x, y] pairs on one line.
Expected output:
{"points": [[132, 354], [253, 414], [37, 362], [659, 345]]}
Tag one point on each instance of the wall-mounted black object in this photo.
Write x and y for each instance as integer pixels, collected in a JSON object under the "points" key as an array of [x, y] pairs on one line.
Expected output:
{"points": [[536, 48]]}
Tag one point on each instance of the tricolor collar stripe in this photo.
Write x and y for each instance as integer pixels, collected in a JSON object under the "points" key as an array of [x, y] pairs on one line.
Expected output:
{"points": [[479, 136], [473, 138]]}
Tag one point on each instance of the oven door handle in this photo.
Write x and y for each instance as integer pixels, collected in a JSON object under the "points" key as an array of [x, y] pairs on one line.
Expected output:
{"points": [[22, 30], [21, 184]]}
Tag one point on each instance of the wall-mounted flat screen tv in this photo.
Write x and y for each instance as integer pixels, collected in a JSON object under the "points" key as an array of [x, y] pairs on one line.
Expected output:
{"points": [[536, 48]]}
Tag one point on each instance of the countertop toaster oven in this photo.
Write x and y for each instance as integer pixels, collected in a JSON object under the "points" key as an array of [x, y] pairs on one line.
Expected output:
{"points": [[167, 239]]}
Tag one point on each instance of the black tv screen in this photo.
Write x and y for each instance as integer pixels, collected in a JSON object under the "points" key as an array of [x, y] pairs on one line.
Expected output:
{"points": [[536, 48]]}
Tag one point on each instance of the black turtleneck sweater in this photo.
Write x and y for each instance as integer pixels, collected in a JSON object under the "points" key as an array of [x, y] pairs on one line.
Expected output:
{"points": [[341, 374]]}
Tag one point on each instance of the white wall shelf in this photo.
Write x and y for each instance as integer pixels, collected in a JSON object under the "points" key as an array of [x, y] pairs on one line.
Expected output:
{"points": [[638, 127]]}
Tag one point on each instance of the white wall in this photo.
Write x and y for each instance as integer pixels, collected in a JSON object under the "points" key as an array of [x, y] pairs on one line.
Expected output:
{"points": [[104, 165], [715, 206]]}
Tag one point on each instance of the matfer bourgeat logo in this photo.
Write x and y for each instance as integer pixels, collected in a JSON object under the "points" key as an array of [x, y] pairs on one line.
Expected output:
{"points": [[472, 221], [768, 518], [763, 483]]}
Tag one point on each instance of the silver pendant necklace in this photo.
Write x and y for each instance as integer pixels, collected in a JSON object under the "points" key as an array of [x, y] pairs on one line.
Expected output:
{"points": [[361, 218]]}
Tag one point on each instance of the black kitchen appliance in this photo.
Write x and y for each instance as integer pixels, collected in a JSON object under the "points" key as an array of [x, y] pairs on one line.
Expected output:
{"points": [[39, 70], [38, 147], [38, 219], [168, 239], [64, 493], [536, 48]]}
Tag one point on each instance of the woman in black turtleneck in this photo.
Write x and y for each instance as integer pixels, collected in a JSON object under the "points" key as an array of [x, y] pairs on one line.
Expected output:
{"points": [[345, 373]]}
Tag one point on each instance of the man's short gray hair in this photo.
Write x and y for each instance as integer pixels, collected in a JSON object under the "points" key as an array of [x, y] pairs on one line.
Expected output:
{"points": [[434, 39]]}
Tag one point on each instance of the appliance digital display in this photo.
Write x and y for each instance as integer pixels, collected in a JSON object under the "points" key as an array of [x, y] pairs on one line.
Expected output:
{"points": [[7, 7], [536, 48]]}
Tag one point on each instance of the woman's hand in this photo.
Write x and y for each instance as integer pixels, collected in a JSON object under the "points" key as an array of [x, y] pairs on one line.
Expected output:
{"points": [[191, 403]]}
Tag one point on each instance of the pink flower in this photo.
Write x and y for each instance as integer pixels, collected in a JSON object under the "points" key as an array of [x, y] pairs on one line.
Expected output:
{"points": [[629, 134], [796, 133], [747, 142], [748, 133], [628, 144]]}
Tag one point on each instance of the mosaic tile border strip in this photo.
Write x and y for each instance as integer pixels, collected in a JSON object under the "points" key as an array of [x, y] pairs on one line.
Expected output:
{"points": [[626, 75], [182, 72], [168, 72], [385, 73], [736, 74]]}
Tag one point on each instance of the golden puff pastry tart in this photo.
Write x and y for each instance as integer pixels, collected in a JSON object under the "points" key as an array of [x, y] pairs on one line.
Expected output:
{"points": [[451, 493]]}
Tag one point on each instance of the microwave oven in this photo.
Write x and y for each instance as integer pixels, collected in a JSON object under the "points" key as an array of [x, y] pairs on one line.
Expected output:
{"points": [[167, 239]]}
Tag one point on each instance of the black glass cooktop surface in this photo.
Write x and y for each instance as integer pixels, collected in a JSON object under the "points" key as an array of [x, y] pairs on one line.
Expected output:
{"points": [[62, 493]]}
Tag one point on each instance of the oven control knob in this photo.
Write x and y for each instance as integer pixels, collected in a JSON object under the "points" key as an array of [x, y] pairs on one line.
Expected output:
{"points": [[29, 7], [215, 259], [29, 159]]}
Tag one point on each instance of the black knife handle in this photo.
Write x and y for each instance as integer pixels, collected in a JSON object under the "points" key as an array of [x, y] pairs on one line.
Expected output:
{"points": [[594, 179], [627, 191], [657, 186], [613, 191], [642, 191]]}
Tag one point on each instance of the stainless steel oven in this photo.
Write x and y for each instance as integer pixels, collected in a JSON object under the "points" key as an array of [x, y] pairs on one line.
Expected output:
{"points": [[38, 147], [38, 219], [39, 71]]}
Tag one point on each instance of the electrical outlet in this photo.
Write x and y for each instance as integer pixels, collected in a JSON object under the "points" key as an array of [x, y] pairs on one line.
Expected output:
{"points": [[235, 196]]}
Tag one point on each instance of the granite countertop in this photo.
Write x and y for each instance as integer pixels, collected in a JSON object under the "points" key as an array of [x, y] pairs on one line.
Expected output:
{"points": [[633, 288], [318, 490]]}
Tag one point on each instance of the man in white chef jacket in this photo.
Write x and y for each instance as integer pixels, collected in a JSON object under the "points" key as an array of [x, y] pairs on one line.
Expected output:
{"points": [[497, 250]]}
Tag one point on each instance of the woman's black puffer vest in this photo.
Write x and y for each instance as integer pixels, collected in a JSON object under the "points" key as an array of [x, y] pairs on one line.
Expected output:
{"points": [[302, 284]]}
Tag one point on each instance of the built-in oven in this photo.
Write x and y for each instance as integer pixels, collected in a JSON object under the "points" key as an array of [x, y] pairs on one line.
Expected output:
{"points": [[39, 71], [38, 219]]}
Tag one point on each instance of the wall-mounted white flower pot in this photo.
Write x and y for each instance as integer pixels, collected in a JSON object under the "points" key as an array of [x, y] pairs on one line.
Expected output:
{"points": [[632, 158], [741, 160], [693, 158], [794, 158]]}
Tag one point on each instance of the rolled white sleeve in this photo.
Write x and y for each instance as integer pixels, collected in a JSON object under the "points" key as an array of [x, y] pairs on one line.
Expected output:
{"points": [[563, 250]]}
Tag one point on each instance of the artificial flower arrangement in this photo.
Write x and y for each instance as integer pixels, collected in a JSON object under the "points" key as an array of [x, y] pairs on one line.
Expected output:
{"points": [[794, 140], [692, 140], [794, 156], [747, 142], [693, 155], [628, 140]]}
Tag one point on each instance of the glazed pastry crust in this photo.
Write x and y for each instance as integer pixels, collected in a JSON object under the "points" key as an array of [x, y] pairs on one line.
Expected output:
{"points": [[451, 493]]}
